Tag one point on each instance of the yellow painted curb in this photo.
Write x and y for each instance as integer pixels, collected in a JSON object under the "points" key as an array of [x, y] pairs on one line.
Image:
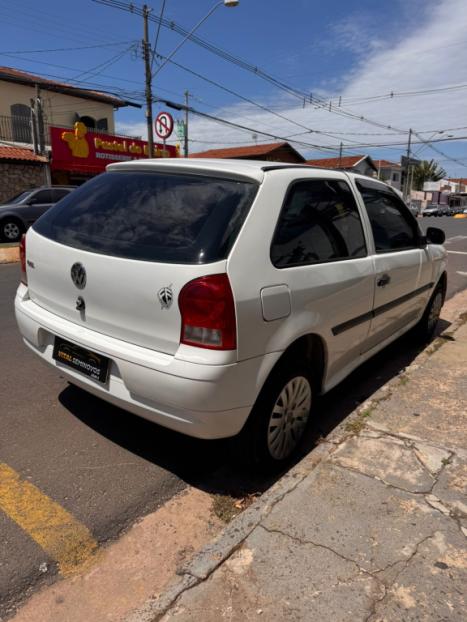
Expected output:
{"points": [[9, 254], [56, 531]]}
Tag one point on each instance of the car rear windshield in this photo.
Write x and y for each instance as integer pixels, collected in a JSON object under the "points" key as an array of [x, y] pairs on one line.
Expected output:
{"points": [[174, 218]]}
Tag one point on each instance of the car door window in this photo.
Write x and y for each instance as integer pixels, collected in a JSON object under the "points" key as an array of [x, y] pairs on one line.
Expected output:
{"points": [[319, 222], [393, 226], [43, 196], [59, 193]]}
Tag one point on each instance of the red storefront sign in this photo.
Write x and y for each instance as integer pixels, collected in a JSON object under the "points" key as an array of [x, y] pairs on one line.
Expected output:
{"points": [[84, 151]]}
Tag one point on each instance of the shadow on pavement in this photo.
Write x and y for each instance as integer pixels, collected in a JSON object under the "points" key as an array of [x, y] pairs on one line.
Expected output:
{"points": [[206, 464]]}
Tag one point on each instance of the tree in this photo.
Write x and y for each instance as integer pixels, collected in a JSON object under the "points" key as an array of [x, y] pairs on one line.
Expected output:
{"points": [[427, 171]]}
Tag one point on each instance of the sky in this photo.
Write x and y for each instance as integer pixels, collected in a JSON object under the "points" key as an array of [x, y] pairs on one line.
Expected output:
{"points": [[356, 72]]}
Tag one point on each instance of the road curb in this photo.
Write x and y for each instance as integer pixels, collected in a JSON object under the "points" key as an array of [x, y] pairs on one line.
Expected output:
{"points": [[214, 554], [9, 254]]}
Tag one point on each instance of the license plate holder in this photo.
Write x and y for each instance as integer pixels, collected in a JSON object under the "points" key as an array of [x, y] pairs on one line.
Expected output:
{"points": [[81, 360]]}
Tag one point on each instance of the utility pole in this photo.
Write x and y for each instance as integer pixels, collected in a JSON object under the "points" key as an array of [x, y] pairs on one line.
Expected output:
{"points": [[340, 154], [187, 95], [34, 126], [407, 168], [40, 121], [148, 77]]}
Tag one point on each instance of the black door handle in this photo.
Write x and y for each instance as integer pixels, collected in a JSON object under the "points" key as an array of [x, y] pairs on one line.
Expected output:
{"points": [[383, 280]]}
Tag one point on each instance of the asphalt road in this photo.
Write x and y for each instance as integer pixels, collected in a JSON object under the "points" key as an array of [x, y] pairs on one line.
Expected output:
{"points": [[106, 467]]}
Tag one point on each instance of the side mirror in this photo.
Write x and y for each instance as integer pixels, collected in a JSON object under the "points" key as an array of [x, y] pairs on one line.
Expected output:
{"points": [[435, 235]]}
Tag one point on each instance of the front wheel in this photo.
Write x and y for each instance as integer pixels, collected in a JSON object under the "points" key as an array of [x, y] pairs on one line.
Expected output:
{"points": [[10, 231], [425, 328], [276, 426]]}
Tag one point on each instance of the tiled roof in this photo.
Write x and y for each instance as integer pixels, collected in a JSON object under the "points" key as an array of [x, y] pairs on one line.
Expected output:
{"points": [[386, 164], [238, 152], [20, 153], [344, 162], [9, 74]]}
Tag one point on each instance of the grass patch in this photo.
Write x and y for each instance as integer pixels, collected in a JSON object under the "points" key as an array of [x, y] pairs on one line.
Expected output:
{"points": [[403, 380], [356, 425], [227, 508]]}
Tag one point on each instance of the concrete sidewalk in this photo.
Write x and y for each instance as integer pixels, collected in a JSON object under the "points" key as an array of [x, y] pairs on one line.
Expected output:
{"points": [[371, 526]]}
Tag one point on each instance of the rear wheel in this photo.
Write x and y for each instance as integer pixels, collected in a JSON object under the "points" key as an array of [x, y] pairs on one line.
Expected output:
{"points": [[275, 429], [10, 230]]}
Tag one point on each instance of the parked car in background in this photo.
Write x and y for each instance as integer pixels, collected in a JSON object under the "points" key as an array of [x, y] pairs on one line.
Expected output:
{"points": [[219, 297], [433, 210], [22, 210]]}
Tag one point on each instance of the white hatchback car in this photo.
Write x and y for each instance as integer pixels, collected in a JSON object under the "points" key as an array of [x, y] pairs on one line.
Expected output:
{"points": [[218, 297]]}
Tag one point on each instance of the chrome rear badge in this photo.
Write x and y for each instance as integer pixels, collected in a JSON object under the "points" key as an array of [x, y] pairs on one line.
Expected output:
{"points": [[165, 296], [78, 275]]}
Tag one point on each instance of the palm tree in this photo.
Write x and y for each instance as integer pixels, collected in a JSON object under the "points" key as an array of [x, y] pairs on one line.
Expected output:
{"points": [[427, 171]]}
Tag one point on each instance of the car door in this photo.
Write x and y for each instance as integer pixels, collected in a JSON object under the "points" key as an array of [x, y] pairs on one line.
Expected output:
{"points": [[38, 203], [320, 250], [401, 263]]}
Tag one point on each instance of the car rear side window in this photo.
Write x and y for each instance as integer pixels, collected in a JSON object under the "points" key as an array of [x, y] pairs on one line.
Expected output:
{"points": [[394, 227], [59, 193], [319, 223], [174, 218], [43, 196]]}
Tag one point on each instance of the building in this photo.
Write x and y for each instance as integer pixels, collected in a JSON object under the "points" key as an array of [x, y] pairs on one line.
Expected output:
{"points": [[274, 152], [62, 105], [460, 184], [20, 169], [442, 185], [72, 128], [362, 164], [390, 173]]}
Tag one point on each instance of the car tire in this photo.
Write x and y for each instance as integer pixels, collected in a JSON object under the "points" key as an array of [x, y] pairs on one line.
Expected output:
{"points": [[424, 330], [11, 230], [272, 436]]}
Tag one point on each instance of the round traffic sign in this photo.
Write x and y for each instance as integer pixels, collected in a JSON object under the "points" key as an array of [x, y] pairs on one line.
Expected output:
{"points": [[164, 124]]}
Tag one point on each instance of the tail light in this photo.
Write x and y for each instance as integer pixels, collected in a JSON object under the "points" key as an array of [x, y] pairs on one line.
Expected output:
{"points": [[22, 258], [208, 313]]}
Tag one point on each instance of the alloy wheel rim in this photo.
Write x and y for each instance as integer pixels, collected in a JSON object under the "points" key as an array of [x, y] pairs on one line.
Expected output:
{"points": [[11, 230], [289, 417], [435, 311]]}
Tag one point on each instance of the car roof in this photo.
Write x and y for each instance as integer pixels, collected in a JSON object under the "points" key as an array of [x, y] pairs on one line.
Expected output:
{"points": [[252, 169]]}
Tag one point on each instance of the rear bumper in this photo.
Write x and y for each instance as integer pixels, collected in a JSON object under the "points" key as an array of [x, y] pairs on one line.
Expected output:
{"points": [[204, 401]]}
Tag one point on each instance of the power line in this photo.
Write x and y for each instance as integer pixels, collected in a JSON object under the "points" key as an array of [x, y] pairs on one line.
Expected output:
{"points": [[301, 95], [395, 94], [157, 34], [246, 99], [178, 106], [103, 66], [68, 49]]}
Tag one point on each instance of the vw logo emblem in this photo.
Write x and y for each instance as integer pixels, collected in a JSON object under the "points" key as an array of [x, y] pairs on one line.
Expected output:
{"points": [[78, 275], [166, 296]]}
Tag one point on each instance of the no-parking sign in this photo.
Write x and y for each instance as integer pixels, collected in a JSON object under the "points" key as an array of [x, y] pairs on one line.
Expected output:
{"points": [[164, 125]]}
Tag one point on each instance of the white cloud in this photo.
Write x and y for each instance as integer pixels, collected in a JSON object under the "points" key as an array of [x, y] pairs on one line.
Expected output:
{"points": [[432, 54]]}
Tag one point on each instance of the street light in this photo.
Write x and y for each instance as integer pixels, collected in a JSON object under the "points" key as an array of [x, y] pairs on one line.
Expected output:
{"points": [[227, 3]]}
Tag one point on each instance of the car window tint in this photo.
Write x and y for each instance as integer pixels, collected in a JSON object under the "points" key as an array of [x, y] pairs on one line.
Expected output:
{"points": [[43, 196], [394, 227], [59, 193], [319, 222], [178, 218]]}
